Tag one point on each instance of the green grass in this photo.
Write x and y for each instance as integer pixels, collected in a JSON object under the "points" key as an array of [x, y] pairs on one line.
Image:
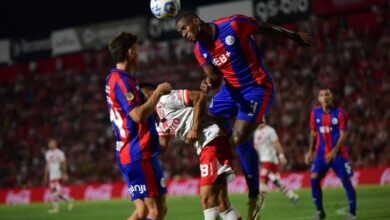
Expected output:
{"points": [[373, 204]]}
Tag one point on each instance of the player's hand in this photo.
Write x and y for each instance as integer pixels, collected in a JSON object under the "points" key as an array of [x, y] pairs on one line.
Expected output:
{"points": [[308, 158], [191, 136], [163, 88], [282, 160], [330, 157], [205, 85], [304, 39], [65, 177]]}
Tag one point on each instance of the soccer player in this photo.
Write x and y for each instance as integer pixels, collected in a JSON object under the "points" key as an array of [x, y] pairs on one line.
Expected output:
{"points": [[225, 49], [270, 152], [329, 124], [137, 144], [55, 171], [181, 114]]}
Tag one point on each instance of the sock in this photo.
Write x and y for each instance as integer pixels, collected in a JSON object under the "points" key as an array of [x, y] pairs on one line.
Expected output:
{"points": [[351, 195], [56, 204], [148, 218], [211, 213], [230, 214], [316, 193], [249, 161]]}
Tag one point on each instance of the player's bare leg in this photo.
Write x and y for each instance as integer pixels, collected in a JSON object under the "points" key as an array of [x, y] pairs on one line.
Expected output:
{"points": [[140, 212], [242, 141], [226, 209], [156, 207], [208, 200]]}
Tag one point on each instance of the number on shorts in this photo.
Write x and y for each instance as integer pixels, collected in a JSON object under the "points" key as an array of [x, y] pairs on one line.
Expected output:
{"points": [[206, 170], [253, 107], [348, 168]]}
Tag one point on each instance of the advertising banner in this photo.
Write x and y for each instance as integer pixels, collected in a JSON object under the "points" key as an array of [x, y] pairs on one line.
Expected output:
{"points": [[281, 11], [97, 36], [187, 186]]}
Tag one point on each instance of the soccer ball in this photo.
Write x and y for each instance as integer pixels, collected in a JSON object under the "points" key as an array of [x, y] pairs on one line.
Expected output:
{"points": [[165, 8]]}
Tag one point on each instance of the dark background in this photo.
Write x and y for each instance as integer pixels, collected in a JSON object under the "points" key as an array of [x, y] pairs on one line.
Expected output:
{"points": [[32, 18]]}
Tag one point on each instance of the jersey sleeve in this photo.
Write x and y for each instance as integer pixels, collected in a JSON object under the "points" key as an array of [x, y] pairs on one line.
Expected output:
{"points": [[160, 130], [245, 25], [126, 95], [62, 156], [312, 120], [272, 134], [343, 119], [199, 55], [178, 99]]}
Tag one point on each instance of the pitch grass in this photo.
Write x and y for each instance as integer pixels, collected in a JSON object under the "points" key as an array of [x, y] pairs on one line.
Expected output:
{"points": [[373, 204]]}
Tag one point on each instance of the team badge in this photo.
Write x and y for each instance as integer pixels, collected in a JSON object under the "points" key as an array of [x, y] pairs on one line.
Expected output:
{"points": [[162, 182], [129, 96], [318, 120], [335, 121], [229, 40], [204, 55]]}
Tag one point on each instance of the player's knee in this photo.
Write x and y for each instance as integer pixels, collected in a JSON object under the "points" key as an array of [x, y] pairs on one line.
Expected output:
{"points": [[207, 201], [314, 176], [238, 138]]}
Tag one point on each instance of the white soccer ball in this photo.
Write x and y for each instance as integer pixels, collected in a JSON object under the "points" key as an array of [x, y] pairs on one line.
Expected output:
{"points": [[165, 8]]}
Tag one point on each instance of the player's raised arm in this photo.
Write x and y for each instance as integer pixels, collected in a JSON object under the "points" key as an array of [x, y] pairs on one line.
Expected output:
{"points": [[140, 113], [301, 38]]}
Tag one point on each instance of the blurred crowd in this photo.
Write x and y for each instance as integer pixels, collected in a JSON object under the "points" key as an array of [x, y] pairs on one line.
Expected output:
{"points": [[66, 100]]}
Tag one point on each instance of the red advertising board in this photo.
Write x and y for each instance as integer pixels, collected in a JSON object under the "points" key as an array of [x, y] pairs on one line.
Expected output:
{"points": [[187, 186]]}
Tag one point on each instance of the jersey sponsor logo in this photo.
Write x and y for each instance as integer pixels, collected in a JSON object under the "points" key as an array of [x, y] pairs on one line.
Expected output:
{"points": [[229, 40], [119, 145], [129, 96], [163, 183], [137, 188], [222, 59], [325, 129], [335, 121], [204, 55]]}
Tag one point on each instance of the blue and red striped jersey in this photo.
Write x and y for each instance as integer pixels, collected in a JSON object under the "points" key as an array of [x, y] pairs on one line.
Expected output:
{"points": [[134, 141], [234, 52], [328, 126]]}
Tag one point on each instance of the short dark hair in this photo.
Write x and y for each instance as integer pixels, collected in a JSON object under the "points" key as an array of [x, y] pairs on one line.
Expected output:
{"points": [[120, 44], [146, 85], [186, 15]]}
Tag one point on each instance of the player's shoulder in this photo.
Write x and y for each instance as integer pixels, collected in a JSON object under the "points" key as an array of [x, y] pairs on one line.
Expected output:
{"points": [[316, 108], [233, 18], [341, 110]]}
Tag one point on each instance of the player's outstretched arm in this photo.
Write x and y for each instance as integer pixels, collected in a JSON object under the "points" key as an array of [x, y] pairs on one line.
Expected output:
{"points": [[140, 113], [301, 38]]}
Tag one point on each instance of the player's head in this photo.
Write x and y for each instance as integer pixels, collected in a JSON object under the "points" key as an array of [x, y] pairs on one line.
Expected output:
{"points": [[52, 143], [325, 97], [123, 48], [147, 89], [189, 25]]}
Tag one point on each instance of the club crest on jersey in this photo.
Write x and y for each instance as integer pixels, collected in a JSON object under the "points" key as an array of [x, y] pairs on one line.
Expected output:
{"points": [[335, 121], [204, 55], [318, 120], [229, 40], [129, 96]]}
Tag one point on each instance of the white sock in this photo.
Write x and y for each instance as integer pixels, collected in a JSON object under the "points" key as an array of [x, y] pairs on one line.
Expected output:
{"points": [[56, 205], [211, 213], [230, 214]]}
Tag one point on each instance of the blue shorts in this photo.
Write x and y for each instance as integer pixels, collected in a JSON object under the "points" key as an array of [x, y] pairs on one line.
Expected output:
{"points": [[339, 165], [144, 178], [248, 104]]}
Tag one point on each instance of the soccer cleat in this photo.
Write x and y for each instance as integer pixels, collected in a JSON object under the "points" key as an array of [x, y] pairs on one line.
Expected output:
{"points": [[53, 211], [294, 199], [254, 206], [319, 215], [350, 217]]}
